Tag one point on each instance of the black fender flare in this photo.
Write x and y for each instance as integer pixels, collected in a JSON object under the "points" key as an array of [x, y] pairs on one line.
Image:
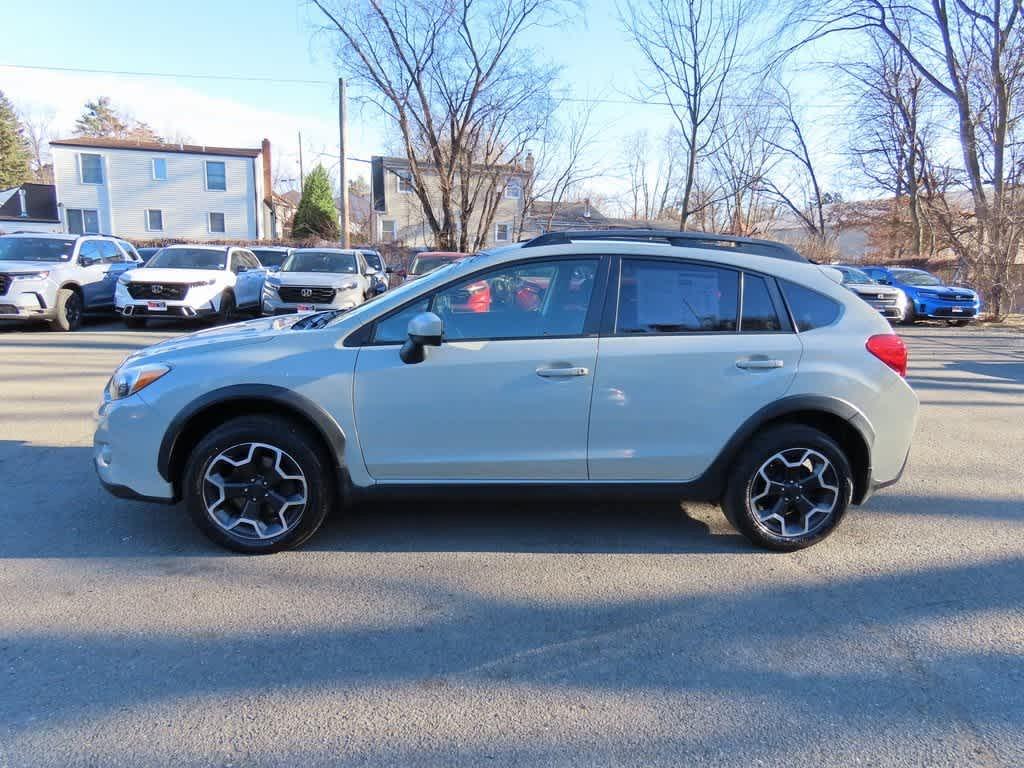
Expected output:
{"points": [[320, 419]]}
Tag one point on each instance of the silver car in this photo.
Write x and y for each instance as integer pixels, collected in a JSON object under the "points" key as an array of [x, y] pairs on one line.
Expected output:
{"points": [[689, 366], [313, 279], [890, 302]]}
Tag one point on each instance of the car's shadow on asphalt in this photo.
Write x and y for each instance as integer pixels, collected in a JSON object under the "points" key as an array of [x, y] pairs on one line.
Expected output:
{"points": [[103, 526]]}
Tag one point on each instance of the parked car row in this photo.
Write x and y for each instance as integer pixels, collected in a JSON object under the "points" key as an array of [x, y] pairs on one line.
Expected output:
{"points": [[904, 295], [58, 278]]}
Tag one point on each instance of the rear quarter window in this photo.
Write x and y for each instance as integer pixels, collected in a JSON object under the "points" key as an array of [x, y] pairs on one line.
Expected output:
{"points": [[810, 309]]}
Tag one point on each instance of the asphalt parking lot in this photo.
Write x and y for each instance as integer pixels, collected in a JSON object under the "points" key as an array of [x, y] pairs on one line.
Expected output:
{"points": [[535, 635]]}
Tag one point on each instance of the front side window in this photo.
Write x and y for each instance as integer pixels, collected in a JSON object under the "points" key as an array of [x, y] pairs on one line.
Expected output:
{"points": [[109, 252], [159, 169], [83, 221], [374, 260], [270, 258], [90, 250], [130, 252], [759, 311], [154, 220], [216, 222], [216, 175], [531, 301], [92, 168], [395, 328], [676, 297], [810, 309], [501, 233]]}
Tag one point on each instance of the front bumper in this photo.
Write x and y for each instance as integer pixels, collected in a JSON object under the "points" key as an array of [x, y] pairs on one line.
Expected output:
{"points": [[945, 310], [175, 309], [273, 305], [28, 300], [125, 449]]}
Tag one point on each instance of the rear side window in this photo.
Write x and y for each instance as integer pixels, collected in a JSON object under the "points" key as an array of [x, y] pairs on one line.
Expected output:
{"points": [[810, 309], [759, 311], [676, 297]]}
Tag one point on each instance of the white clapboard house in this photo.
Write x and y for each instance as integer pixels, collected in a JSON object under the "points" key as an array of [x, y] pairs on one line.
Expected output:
{"points": [[149, 190]]}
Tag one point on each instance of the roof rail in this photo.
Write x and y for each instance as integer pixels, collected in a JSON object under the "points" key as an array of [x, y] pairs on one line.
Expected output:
{"points": [[710, 240]]}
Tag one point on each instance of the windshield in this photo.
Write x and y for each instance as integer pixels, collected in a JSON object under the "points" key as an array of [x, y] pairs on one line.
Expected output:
{"points": [[854, 276], [188, 258], [915, 277], [270, 258], [374, 260], [421, 265], [35, 249], [320, 261]]}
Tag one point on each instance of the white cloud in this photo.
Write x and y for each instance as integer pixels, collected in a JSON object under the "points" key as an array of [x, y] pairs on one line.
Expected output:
{"points": [[172, 109]]}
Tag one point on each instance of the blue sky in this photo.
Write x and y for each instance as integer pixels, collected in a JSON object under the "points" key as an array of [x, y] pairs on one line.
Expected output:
{"points": [[260, 38]]}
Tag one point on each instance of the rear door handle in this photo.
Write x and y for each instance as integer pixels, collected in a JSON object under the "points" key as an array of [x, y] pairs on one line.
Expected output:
{"points": [[759, 365], [562, 373]]}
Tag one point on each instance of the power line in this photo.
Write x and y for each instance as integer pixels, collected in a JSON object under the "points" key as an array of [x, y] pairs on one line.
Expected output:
{"points": [[294, 81]]}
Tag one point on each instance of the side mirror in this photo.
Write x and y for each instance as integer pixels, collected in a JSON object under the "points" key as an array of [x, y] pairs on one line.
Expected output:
{"points": [[388, 271], [370, 271], [425, 330], [402, 273], [87, 261]]}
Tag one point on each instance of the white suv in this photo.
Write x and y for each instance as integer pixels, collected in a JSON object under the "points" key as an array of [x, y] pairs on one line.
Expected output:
{"points": [[318, 278], [693, 366], [59, 277], [187, 281]]}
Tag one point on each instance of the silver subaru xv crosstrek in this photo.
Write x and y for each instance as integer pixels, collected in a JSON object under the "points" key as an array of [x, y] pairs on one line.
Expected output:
{"points": [[686, 365]]}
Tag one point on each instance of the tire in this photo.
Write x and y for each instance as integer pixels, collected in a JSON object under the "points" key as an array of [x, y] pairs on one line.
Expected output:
{"points": [[135, 322], [69, 311], [908, 318], [216, 504], [958, 323], [747, 492], [228, 308]]}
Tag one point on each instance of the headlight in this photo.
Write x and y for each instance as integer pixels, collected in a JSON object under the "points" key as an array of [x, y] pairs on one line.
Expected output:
{"points": [[201, 283], [31, 276], [928, 294], [273, 282], [128, 381], [349, 285], [124, 279]]}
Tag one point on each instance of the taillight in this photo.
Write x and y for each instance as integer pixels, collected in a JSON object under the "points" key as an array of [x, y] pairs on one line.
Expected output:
{"points": [[890, 349]]}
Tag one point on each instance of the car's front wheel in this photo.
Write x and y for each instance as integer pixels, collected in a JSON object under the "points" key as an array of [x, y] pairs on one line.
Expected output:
{"points": [[789, 488], [258, 484], [959, 323], [69, 310]]}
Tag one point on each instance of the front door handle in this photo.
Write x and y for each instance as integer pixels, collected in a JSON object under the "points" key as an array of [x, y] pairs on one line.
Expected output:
{"points": [[759, 365], [562, 373]]}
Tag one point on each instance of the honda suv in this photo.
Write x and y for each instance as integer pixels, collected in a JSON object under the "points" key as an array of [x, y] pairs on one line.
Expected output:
{"points": [[58, 278], [690, 366]]}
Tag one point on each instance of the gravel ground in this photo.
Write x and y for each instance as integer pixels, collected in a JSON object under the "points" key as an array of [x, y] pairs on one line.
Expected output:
{"points": [[642, 634]]}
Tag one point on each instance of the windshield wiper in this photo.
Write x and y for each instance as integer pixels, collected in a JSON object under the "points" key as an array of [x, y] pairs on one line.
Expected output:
{"points": [[318, 320]]}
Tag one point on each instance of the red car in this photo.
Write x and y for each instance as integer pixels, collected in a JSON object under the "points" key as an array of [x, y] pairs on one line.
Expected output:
{"points": [[477, 296]]}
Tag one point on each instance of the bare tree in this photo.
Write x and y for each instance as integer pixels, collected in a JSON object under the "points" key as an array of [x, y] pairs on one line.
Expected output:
{"points": [[692, 52], [456, 81], [38, 132], [971, 54], [559, 164], [793, 180], [653, 180]]}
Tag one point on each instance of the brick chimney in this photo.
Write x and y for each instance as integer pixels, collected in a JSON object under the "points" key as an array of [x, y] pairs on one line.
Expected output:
{"points": [[268, 176]]}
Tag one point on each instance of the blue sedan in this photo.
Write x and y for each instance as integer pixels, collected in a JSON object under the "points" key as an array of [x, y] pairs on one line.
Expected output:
{"points": [[927, 296]]}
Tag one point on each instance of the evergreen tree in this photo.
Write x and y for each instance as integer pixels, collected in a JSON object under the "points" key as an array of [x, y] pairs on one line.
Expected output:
{"points": [[14, 150], [316, 215], [101, 120]]}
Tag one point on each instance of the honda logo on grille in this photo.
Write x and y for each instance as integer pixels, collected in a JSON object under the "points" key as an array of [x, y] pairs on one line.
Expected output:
{"points": [[307, 292], [881, 296], [157, 289]]}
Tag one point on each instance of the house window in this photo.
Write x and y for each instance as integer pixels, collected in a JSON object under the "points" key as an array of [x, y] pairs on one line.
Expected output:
{"points": [[216, 175], [514, 189], [502, 233], [155, 220], [159, 169], [405, 185], [216, 222], [91, 167], [387, 230], [83, 221]]}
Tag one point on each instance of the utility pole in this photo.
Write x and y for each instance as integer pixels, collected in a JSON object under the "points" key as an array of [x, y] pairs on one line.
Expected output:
{"points": [[302, 175], [343, 180]]}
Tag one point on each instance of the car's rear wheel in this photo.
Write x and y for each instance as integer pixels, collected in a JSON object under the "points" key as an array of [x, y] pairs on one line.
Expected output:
{"points": [[789, 488], [959, 323], [69, 310], [258, 484], [228, 308]]}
